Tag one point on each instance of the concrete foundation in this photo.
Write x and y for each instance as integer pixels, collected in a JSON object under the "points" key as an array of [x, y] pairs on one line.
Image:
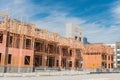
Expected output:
{"points": [[25, 69], [13, 69], [1, 69]]}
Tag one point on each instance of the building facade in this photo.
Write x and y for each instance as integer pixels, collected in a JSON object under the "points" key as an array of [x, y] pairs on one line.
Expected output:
{"points": [[116, 49], [118, 54], [26, 48], [115, 54]]}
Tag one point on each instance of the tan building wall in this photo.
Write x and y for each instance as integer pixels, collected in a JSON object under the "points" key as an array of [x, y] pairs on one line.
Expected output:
{"points": [[97, 56], [91, 61]]}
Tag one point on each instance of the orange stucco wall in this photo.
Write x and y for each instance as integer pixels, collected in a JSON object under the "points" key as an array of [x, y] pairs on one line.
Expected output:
{"points": [[91, 61]]}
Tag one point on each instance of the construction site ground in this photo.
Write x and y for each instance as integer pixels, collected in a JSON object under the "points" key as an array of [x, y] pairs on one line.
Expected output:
{"points": [[59, 75]]}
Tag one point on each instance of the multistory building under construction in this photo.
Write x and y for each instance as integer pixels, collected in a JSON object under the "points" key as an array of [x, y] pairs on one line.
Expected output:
{"points": [[27, 48]]}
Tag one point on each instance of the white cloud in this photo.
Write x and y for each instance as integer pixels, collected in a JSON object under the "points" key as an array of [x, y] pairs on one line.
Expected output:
{"points": [[19, 8], [98, 34], [13, 8], [116, 12]]}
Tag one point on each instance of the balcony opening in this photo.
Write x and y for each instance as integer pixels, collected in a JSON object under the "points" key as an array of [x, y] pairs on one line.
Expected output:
{"points": [[108, 65], [108, 57], [111, 65], [51, 48], [76, 63], [65, 51], [28, 44], [57, 63], [46, 48], [70, 52], [57, 50], [50, 61], [75, 37], [1, 38], [105, 65], [37, 46], [102, 64], [63, 63], [70, 64], [9, 58], [105, 57], [10, 41], [27, 60], [78, 53], [17, 41], [111, 58], [41, 47], [38, 61]]}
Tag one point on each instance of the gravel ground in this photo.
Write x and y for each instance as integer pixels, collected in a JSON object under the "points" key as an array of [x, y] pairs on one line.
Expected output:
{"points": [[114, 76]]}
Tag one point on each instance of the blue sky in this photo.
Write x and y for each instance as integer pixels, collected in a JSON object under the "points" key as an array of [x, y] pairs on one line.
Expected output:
{"points": [[99, 19]]}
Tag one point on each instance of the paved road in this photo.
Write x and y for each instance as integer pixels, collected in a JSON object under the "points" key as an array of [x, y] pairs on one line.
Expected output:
{"points": [[115, 76]]}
